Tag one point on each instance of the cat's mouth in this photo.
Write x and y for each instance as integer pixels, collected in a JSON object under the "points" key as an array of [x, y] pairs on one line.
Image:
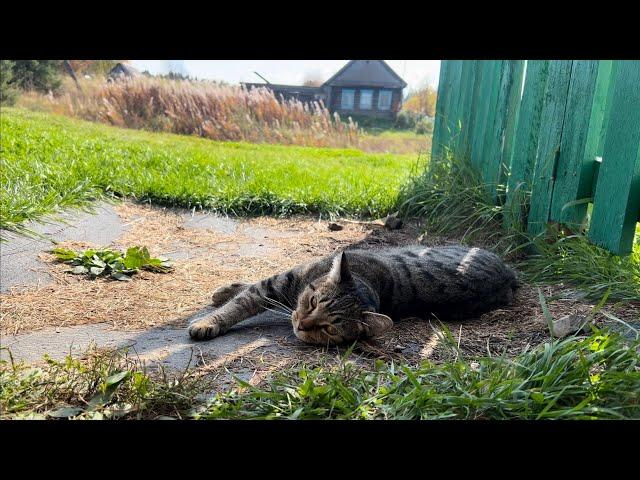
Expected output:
{"points": [[308, 332]]}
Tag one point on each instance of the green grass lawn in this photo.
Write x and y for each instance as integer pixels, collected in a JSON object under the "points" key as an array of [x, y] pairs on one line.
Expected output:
{"points": [[50, 162]]}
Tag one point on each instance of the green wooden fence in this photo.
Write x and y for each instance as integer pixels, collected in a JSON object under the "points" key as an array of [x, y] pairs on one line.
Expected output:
{"points": [[568, 131]]}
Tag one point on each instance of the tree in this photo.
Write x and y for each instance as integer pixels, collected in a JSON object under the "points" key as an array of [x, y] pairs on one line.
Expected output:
{"points": [[41, 75], [7, 92], [422, 101]]}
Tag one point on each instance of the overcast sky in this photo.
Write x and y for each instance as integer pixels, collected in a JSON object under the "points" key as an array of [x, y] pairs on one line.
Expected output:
{"points": [[294, 72]]}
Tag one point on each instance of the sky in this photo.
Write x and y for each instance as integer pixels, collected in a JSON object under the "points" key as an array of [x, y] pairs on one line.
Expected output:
{"points": [[294, 72]]}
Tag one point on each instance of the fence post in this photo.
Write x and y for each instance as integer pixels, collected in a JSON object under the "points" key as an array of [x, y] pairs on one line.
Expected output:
{"points": [[526, 138], [616, 204], [583, 118], [550, 136]]}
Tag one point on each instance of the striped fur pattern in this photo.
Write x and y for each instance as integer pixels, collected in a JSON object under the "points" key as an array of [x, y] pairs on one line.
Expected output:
{"points": [[357, 293]]}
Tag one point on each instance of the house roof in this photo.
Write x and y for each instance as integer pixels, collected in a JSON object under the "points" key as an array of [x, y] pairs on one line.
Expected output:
{"points": [[122, 68], [375, 73]]}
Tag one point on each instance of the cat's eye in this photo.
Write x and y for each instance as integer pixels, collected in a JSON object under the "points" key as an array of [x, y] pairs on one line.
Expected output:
{"points": [[313, 301], [331, 330]]}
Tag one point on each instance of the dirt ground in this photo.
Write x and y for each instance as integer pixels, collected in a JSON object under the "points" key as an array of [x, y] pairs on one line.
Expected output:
{"points": [[212, 251]]}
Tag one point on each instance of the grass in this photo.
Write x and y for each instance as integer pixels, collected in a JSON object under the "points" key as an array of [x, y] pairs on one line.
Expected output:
{"points": [[453, 201], [578, 378], [50, 162], [594, 377], [202, 108], [104, 385], [395, 141]]}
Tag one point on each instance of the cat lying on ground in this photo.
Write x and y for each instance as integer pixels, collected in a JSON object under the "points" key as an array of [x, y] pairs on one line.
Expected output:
{"points": [[356, 293]]}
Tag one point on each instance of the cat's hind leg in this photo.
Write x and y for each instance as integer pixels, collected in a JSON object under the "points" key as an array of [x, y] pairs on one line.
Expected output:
{"points": [[225, 293]]}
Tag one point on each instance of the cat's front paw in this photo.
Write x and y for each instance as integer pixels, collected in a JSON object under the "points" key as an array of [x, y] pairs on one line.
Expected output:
{"points": [[204, 330]]}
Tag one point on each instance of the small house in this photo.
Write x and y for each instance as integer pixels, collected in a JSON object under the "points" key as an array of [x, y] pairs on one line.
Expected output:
{"points": [[121, 71], [362, 87]]}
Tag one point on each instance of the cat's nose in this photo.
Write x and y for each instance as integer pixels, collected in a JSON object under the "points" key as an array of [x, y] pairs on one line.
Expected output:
{"points": [[304, 325]]}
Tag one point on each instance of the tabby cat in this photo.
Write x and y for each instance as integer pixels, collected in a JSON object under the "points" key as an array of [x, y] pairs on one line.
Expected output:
{"points": [[355, 293]]}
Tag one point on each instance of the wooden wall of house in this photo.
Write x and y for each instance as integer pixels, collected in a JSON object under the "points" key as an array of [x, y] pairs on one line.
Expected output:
{"points": [[396, 101]]}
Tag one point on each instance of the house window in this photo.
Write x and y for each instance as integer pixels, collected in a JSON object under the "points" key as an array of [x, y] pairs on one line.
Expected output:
{"points": [[384, 100], [348, 97], [366, 99]]}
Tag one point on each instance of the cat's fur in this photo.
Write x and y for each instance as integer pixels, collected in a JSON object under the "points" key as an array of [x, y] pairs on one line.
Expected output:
{"points": [[355, 293]]}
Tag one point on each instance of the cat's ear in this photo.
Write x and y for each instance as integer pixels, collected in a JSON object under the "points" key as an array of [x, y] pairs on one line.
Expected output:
{"points": [[340, 272], [374, 324]]}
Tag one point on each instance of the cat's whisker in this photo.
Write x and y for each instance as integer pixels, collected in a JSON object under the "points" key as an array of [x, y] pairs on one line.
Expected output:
{"points": [[278, 304], [278, 312]]}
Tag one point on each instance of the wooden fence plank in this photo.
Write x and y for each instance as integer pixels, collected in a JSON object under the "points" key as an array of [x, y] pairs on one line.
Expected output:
{"points": [[617, 198], [504, 121], [451, 121], [466, 99], [574, 171], [441, 101], [550, 136], [514, 101], [527, 129], [476, 100], [478, 135], [489, 140]]}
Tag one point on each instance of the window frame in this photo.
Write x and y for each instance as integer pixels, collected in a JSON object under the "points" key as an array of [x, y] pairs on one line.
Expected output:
{"points": [[380, 92], [370, 107], [353, 99]]}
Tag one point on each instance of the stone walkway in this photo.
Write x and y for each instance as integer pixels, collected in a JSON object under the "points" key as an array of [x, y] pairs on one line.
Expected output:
{"points": [[168, 345]]}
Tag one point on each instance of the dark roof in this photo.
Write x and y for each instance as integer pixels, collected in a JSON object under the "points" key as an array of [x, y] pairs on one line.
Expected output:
{"points": [[122, 68], [375, 73]]}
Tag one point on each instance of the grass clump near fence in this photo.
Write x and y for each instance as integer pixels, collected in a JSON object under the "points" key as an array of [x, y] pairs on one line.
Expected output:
{"points": [[452, 200], [50, 162], [594, 377], [202, 108]]}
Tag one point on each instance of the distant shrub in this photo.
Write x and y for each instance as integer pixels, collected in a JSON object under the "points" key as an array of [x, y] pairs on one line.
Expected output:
{"points": [[424, 126], [7, 92], [406, 119], [40, 75]]}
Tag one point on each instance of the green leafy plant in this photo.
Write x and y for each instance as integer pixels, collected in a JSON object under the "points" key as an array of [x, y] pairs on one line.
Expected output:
{"points": [[120, 266]]}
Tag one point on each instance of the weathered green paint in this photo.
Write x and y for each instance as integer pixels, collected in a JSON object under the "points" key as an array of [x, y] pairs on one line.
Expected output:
{"points": [[443, 93], [613, 67], [474, 108], [550, 137], [523, 158], [513, 112], [486, 161], [451, 120], [526, 137], [508, 96], [478, 135], [617, 199], [464, 107], [574, 171]]}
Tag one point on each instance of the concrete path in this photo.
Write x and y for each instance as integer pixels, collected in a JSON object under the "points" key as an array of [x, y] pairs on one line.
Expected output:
{"points": [[170, 347], [19, 264]]}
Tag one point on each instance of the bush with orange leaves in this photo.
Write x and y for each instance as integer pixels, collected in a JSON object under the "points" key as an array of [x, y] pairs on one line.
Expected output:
{"points": [[422, 101]]}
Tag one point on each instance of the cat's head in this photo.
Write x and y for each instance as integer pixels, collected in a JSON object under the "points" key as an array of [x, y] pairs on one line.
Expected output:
{"points": [[330, 311]]}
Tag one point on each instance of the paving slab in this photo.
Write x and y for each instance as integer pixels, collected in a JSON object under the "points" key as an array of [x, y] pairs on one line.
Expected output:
{"points": [[19, 264], [169, 346]]}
